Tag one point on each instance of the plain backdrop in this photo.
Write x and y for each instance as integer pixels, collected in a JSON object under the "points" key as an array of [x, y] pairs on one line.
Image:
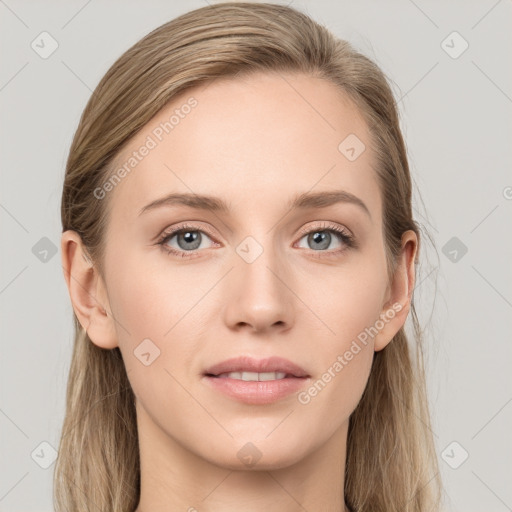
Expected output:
{"points": [[449, 63]]}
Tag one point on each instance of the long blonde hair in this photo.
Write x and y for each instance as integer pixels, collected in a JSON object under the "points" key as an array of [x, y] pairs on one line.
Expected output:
{"points": [[391, 462]]}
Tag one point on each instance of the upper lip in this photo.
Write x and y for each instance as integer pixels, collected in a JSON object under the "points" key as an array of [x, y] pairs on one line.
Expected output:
{"points": [[249, 364]]}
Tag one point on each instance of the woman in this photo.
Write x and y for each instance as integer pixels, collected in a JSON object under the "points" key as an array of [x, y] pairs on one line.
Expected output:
{"points": [[239, 249]]}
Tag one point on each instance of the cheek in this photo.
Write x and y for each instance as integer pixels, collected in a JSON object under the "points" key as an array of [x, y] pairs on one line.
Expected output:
{"points": [[336, 390], [346, 359], [158, 334], [348, 301], [158, 310], [349, 306], [149, 298]]}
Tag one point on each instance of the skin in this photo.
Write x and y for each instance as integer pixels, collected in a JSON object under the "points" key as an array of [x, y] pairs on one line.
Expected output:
{"points": [[255, 142]]}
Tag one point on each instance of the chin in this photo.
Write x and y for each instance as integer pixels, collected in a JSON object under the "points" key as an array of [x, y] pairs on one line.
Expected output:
{"points": [[262, 455]]}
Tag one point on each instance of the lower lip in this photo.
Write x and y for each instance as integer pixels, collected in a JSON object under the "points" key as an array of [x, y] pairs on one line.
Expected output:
{"points": [[257, 392]]}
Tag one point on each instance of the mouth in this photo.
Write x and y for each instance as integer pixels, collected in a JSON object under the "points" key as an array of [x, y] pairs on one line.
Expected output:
{"points": [[253, 376], [247, 368], [256, 381]]}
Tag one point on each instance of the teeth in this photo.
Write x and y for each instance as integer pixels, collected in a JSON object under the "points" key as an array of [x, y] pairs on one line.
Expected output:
{"points": [[254, 376]]}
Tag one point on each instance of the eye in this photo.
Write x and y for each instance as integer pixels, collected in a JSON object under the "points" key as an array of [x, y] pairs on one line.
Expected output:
{"points": [[187, 238], [321, 238]]}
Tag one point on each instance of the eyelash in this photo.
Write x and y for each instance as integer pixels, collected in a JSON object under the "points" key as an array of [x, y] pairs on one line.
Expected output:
{"points": [[347, 239]]}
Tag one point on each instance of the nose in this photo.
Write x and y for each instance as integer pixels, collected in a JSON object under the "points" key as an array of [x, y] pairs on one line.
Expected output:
{"points": [[259, 296]]}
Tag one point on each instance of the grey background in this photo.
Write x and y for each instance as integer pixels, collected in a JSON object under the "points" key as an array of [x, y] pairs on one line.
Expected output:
{"points": [[456, 117]]}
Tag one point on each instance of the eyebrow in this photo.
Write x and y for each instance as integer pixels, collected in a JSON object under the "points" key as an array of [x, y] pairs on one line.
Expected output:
{"points": [[215, 204]]}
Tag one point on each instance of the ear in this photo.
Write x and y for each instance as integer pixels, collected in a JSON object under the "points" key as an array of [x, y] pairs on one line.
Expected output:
{"points": [[399, 294], [87, 292]]}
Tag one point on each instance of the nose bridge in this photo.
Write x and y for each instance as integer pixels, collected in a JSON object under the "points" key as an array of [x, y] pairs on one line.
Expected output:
{"points": [[260, 261], [260, 296]]}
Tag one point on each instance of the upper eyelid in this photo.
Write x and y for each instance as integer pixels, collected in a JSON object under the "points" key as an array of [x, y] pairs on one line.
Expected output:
{"points": [[326, 226], [168, 232]]}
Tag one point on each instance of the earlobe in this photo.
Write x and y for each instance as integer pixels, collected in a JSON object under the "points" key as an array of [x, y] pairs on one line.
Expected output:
{"points": [[87, 291], [396, 309]]}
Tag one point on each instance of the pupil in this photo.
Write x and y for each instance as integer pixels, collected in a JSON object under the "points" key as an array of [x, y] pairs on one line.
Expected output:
{"points": [[189, 240], [321, 238]]}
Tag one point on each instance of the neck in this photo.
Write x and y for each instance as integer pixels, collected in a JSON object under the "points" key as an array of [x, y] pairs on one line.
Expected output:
{"points": [[175, 478]]}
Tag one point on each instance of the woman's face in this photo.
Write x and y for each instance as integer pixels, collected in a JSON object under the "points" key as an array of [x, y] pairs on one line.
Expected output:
{"points": [[266, 268]]}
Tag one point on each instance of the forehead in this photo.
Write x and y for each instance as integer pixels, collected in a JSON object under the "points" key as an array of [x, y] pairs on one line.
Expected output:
{"points": [[252, 140]]}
